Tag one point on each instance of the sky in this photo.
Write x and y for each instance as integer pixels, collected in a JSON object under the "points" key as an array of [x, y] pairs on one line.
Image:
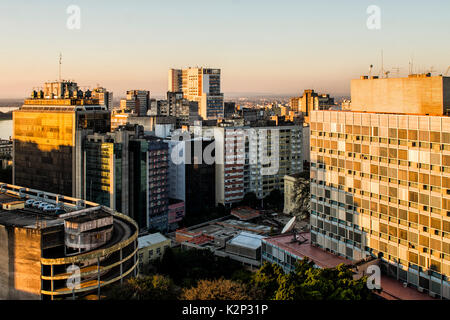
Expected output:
{"points": [[277, 47]]}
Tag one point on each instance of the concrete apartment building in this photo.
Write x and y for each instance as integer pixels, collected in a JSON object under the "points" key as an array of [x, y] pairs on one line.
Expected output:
{"points": [[380, 182], [40, 253], [201, 85], [253, 158], [47, 133]]}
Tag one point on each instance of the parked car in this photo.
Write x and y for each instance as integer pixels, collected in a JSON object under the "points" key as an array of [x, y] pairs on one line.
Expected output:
{"points": [[36, 203], [49, 208], [42, 205], [29, 202]]}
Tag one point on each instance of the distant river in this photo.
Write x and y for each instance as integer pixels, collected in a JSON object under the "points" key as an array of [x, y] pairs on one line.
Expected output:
{"points": [[6, 129]]}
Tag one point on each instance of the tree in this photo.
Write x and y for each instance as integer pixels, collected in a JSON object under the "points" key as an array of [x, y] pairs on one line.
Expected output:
{"points": [[250, 199], [301, 197], [307, 282], [155, 287], [266, 279], [220, 289], [274, 200]]}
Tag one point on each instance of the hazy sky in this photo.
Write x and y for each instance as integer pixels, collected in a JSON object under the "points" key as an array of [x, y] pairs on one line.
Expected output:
{"points": [[273, 47]]}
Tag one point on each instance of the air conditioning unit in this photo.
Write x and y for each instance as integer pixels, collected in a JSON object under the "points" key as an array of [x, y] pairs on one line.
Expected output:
{"points": [[433, 295], [405, 284], [420, 289]]}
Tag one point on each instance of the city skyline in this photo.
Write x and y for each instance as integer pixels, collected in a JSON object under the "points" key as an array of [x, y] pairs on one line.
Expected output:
{"points": [[261, 47]]}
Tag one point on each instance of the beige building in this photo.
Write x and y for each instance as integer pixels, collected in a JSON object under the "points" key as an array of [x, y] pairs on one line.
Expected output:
{"points": [[151, 247], [380, 182], [289, 183], [416, 94]]}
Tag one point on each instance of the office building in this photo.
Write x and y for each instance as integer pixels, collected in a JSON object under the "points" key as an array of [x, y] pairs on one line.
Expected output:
{"points": [[201, 85], [379, 187], [47, 135], [104, 97], [137, 102], [40, 253], [191, 179]]}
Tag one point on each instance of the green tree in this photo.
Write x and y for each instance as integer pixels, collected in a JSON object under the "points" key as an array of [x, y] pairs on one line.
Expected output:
{"points": [[307, 282], [220, 289], [155, 287], [301, 197]]}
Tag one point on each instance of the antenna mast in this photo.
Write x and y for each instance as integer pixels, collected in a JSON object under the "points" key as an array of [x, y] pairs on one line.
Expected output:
{"points": [[60, 61]]}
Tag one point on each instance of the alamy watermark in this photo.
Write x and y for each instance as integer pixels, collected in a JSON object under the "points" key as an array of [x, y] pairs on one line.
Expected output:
{"points": [[74, 18], [257, 147], [374, 19]]}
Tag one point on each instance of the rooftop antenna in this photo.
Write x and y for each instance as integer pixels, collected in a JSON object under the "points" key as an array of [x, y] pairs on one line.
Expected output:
{"points": [[60, 62], [370, 70], [382, 62]]}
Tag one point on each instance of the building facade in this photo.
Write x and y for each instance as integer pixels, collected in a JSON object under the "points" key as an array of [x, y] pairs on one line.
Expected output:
{"points": [[47, 135], [201, 85], [380, 186], [64, 256]]}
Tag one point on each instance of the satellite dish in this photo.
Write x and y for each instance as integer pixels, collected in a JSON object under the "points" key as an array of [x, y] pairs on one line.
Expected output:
{"points": [[289, 226]]}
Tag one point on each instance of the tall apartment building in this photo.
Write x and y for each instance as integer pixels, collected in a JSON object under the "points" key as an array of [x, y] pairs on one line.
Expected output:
{"points": [[105, 98], [127, 171], [201, 85], [158, 184], [380, 183], [254, 158], [47, 133], [137, 102]]}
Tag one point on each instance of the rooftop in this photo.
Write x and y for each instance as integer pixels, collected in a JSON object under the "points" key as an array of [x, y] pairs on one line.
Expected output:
{"points": [[245, 213], [320, 257], [151, 239], [247, 240]]}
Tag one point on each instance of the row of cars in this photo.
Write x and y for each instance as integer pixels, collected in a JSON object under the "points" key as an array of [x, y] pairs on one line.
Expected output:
{"points": [[44, 206]]}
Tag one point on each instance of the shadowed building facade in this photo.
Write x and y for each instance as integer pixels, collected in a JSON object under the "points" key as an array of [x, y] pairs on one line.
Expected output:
{"points": [[47, 135]]}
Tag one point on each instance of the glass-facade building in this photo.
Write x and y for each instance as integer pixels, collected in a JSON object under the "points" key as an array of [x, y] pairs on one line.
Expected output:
{"points": [[45, 135], [380, 186]]}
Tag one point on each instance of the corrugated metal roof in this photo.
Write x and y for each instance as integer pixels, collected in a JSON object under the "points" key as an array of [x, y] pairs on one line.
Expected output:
{"points": [[248, 240]]}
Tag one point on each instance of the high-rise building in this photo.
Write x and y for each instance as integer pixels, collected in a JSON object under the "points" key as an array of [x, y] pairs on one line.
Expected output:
{"points": [[380, 182], [105, 98], [203, 86], [311, 101], [175, 80], [137, 102], [191, 179], [47, 133], [254, 159]]}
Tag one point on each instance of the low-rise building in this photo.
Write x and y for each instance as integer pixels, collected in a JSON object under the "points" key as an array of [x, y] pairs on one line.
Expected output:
{"points": [[151, 247]]}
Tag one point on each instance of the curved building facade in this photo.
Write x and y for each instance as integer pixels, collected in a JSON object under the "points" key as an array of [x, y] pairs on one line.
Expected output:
{"points": [[69, 255]]}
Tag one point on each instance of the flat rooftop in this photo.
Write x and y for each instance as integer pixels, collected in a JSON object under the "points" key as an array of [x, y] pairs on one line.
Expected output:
{"points": [[320, 257], [25, 218], [99, 214]]}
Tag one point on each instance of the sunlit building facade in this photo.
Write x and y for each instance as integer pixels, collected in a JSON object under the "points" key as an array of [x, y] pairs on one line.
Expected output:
{"points": [[47, 135], [380, 186]]}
